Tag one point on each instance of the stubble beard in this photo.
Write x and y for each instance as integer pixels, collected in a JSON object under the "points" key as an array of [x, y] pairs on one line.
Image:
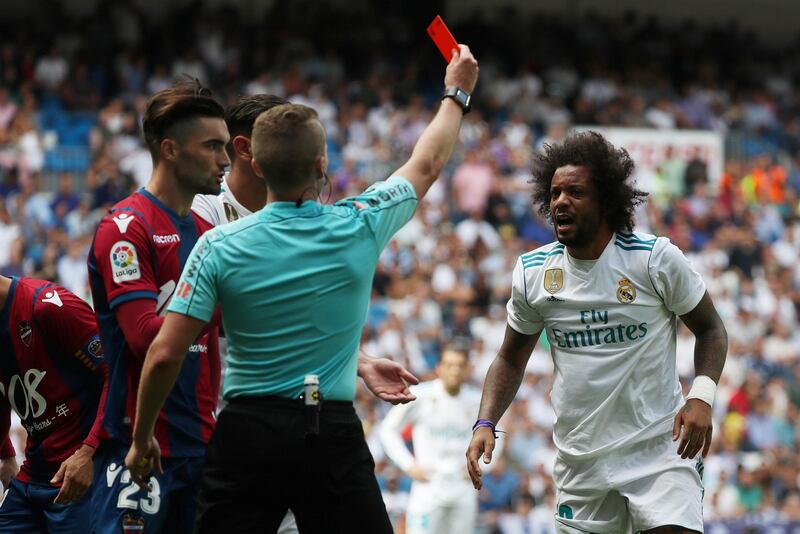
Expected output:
{"points": [[585, 233]]}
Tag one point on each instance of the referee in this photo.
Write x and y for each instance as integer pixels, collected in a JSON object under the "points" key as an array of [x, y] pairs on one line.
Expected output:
{"points": [[293, 282]]}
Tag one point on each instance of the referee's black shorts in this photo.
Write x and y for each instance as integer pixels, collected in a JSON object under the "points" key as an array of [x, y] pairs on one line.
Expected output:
{"points": [[260, 463]]}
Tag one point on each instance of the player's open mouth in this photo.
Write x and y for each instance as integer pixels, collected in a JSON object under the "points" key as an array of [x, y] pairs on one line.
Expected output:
{"points": [[220, 177], [564, 222]]}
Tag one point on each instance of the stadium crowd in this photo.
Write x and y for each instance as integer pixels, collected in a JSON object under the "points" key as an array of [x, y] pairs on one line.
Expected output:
{"points": [[71, 97]]}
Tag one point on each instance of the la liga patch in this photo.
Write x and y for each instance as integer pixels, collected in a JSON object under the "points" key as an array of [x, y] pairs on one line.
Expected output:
{"points": [[124, 262]]}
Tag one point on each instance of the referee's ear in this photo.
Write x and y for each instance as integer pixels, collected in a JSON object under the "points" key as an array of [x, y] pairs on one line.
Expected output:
{"points": [[321, 162], [256, 169]]}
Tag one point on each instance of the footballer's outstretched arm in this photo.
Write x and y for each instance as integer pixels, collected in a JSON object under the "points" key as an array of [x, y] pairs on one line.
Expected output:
{"points": [[436, 144]]}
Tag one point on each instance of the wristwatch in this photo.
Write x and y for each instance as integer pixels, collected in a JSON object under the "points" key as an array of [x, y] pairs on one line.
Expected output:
{"points": [[461, 97]]}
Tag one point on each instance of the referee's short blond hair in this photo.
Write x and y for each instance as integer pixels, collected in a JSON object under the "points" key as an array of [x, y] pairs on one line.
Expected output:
{"points": [[286, 141]]}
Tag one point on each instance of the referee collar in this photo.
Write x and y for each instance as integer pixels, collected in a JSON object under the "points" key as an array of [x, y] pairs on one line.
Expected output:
{"points": [[289, 208]]}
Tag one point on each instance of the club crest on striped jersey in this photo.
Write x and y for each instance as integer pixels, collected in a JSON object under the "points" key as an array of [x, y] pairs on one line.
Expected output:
{"points": [[132, 524], [95, 348], [626, 292], [25, 331], [553, 280]]}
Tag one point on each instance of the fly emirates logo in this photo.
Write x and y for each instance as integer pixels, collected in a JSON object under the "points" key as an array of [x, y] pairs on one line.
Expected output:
{"points": [[598, 330]]}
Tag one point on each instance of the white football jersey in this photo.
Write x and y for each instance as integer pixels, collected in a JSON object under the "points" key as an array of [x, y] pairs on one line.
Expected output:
{"points": [[221, 208], [442, 429], [611, 324]]}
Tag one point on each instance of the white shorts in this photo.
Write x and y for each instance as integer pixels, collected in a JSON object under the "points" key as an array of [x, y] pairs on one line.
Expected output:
{"points": [[427, 513], [640, 487]]}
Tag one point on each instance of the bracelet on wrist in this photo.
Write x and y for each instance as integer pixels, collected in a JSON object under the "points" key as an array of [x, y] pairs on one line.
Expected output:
{"points": [[486, 423]]}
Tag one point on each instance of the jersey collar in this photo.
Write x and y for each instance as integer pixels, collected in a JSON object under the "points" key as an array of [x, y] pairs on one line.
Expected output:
{"points": [[227, 196], [163, 207], [284, 209]]}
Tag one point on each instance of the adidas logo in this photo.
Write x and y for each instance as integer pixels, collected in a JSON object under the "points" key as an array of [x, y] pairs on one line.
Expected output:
{"points": [[554, 299]]}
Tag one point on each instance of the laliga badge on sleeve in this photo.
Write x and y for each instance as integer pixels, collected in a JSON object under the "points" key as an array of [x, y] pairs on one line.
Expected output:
{"points": [[124, 262]]}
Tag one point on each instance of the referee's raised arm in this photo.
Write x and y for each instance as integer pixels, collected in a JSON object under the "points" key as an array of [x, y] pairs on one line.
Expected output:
{"points": [[435, 146]]}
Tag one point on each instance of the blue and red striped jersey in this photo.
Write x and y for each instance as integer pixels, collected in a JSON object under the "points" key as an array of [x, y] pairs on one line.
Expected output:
{"points": [[138, 252], [51, 373]]}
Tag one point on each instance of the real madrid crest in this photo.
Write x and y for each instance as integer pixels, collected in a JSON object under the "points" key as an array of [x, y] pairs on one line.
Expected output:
{"points": [[626, 293], [553, 280]]}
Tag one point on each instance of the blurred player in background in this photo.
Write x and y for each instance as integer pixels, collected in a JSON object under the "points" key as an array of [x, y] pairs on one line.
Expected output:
{"points": [[52, 374], [137, 256], [282, 277], [442, 500], [608, 300], [385, 378]]}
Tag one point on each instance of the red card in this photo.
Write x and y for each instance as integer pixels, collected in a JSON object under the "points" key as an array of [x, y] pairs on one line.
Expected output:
{"points": [[442, 37]]}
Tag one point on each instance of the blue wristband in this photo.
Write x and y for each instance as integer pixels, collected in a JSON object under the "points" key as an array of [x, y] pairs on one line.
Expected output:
{"points": [[483, 422], [488, 424]]}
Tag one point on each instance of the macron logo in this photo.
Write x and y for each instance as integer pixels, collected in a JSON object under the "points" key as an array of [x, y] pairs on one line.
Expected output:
{"points": [[122, 221], [52, 297], [166, 239]]}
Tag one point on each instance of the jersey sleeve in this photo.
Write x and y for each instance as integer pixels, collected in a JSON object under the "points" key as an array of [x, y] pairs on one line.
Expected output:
{"points": [[522, 317], [70, 323], [385, 206], [93, 438], [206, 206], [123, 255], [674, 279], [196, 295]]}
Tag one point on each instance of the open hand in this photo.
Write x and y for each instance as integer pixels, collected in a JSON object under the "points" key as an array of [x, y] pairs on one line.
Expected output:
{"points": [[387, 379], [482, 444], [694, 426]]}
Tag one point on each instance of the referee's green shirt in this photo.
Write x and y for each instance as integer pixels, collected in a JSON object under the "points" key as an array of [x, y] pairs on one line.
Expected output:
{"points": [[294, 286]]}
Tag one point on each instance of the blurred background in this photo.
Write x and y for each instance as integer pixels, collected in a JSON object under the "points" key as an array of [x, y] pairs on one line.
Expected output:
{"points": [[703, 94]]}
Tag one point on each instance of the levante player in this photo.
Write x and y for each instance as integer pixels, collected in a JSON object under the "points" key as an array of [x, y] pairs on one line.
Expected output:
{"points": [[137, 256], [52, 374]]}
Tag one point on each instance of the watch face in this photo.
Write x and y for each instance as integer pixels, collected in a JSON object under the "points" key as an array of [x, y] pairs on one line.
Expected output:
{"points": [[460, 96]]}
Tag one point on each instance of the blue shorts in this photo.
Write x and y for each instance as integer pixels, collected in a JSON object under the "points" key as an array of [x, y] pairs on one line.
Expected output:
{"points": [[27, 508], [121, 507]]}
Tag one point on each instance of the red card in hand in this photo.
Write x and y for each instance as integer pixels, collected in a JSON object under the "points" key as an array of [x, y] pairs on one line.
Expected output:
{"points": [[442, 37]]}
